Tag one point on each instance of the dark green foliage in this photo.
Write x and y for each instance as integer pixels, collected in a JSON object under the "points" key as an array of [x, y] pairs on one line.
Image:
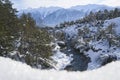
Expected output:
{"points": [[23, 36], [102, 15], [34, 41], [60, 35], [8, 22]]}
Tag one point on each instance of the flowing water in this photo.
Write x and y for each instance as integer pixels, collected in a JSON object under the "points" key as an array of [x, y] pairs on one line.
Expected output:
{"points": [[80, 61]]}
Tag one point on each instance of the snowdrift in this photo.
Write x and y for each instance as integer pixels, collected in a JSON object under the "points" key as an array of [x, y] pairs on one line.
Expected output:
{"points": [[12, 70]]}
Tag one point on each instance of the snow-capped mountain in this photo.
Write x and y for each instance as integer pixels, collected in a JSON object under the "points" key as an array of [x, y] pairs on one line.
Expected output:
{"points": [[39, 13], [91, 7], [43, 11], [52, 16], [61, 16]]}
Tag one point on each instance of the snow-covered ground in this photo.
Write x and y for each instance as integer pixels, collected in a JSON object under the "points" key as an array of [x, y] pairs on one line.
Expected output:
{"points": [[60, 60], [115, 21], [102, 45], [100, 56], [13, 70]]}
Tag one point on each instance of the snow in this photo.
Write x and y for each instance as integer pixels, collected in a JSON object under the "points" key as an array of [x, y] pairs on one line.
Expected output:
{"points": [[117, 24], [12, 70], [71, 31], [97, 57], [13, 53], [60, 60], [103, 50], [93, 56]]}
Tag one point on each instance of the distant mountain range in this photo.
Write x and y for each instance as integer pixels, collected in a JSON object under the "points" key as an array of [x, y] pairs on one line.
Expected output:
{"points": [[52, 16]]}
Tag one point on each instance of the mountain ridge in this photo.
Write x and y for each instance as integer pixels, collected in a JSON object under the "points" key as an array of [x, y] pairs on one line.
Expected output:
{"points": [[52, 16]]}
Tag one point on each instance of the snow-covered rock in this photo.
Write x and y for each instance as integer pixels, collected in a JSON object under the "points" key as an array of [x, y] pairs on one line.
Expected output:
{"points": [[59, 59]]}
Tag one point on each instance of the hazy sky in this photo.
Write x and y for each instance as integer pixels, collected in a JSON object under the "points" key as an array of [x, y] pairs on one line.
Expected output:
{"points": [[22, 4]]}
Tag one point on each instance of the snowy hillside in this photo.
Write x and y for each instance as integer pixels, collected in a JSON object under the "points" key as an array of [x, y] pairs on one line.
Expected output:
{"points": [[13, 70], [115, 21], [52, 16], [83, 38], [113, 51]]}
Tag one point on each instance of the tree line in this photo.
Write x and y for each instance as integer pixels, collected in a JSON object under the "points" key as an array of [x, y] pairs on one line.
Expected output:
{"points": [[94, 16]]}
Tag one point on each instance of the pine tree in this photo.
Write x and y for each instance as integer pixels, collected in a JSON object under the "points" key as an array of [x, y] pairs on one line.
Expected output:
{"points": [[33, 41], [8, 29], [111, 35]]}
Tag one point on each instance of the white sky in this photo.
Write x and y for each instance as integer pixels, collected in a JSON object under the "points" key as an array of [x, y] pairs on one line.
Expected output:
{"points": [[22, 4]]}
